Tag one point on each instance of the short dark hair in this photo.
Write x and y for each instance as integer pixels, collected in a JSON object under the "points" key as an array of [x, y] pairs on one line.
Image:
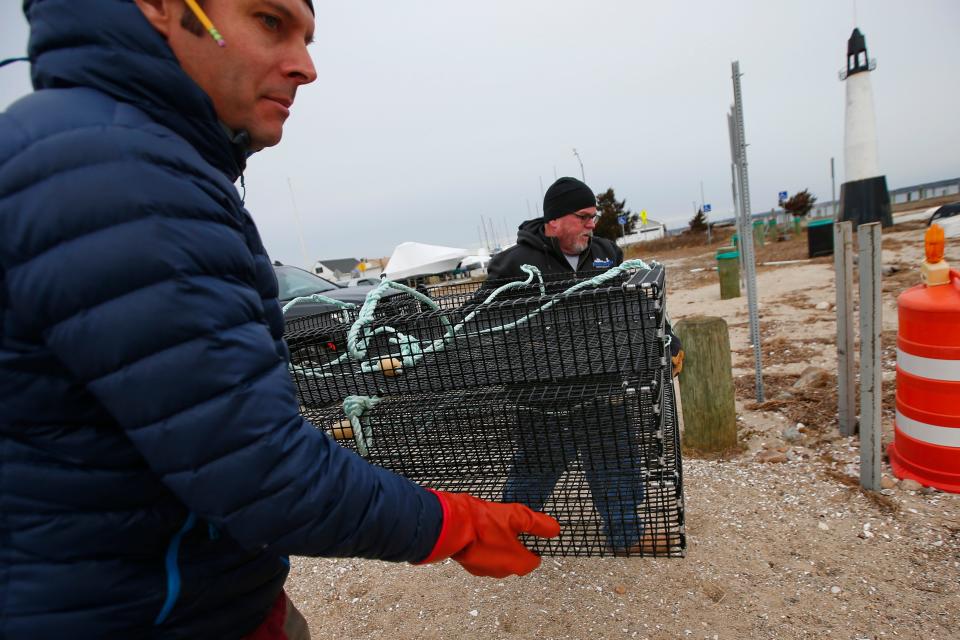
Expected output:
{"points": [[190, 22]]}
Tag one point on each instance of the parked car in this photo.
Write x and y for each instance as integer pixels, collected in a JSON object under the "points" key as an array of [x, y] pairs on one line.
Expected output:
{"points": [[948, 217], [946, 211], [359, 282], [299, 283]]}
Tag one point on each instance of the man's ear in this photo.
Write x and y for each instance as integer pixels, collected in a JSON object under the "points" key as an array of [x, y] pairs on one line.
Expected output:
{"points": [[160, 14]]}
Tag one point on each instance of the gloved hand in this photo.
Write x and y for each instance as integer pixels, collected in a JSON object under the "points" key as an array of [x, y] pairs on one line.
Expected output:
{"points": [[482, 536], [677, 363]]}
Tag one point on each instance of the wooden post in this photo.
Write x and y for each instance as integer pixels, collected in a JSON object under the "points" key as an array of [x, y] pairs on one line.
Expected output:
{"points": [[846, 380], [706, 384], [871, 392]]}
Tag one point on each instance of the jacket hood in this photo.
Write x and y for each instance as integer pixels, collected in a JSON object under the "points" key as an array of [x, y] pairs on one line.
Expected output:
{"points": [[110, 47], [531, 233]]}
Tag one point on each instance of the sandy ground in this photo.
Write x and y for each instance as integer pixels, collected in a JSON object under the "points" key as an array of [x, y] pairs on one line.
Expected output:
{"points": [[789, 549]]}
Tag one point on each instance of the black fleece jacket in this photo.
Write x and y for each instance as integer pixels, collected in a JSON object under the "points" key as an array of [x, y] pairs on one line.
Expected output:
{"points": [[535, 248]]}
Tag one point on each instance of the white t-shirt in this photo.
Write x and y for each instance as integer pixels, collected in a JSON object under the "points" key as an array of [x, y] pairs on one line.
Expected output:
{"points": [[573, 260]]}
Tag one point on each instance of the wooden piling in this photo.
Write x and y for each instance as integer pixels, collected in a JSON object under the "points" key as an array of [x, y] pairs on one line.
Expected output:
{"points": [[706, 384]]}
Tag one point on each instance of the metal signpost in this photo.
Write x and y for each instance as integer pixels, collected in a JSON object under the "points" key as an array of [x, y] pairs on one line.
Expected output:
{"points": [[871, 319], [746, 230], [846, 377]]}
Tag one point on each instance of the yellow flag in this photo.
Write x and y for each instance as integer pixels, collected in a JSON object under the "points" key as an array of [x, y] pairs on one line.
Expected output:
{"points": [[643, 216]]}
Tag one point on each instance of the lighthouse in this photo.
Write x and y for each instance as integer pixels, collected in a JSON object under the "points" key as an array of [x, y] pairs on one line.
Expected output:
{"points": [[863, 195]]}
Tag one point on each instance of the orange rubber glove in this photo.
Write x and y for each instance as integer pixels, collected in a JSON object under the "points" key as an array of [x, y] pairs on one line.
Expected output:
{"points": [[482, 536], [677, 363]]}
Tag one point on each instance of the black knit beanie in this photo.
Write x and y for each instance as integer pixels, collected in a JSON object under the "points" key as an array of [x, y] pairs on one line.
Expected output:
{"points": [[566, 195]]}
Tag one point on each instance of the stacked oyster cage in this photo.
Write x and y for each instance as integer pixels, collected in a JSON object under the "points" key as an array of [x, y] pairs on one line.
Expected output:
{"points": [[558, 399]]}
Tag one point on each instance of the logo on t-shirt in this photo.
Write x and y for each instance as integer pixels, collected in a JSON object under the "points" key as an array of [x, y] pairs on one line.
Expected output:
{"points": [[602, 263]]}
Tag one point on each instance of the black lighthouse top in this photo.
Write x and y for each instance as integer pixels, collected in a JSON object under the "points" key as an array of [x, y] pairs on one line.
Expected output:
{"points": [[857, 59]]}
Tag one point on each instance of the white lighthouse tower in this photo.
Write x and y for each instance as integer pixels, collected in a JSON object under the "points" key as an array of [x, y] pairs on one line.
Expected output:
{"points": [[863, 195]]}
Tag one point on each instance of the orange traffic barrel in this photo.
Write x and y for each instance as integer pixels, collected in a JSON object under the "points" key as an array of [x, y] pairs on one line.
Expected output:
{"points": [[926, 445]]}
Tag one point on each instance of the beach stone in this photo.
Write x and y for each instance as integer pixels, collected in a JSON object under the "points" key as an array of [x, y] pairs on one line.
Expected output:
{"points": [[886, 482], [910, 485], [823, 306], [770, 456], [791, 434], [811, 377]]}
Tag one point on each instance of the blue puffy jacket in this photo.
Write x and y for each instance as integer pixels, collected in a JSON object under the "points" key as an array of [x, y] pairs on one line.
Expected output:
{"points": [[154, 468]]}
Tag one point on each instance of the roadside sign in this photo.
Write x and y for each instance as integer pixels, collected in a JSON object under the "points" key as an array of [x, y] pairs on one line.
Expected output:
{"points": [[707, 208], [643, 216], [782, 196], [622, 220]]}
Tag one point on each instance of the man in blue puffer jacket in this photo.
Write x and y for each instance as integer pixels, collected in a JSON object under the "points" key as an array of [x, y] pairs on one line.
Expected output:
{"points": [[154, 470]]}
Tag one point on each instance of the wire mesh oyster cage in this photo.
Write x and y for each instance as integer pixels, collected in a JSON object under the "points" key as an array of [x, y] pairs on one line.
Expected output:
{"points": [[601, 456], [528, 337], [394, 305]]}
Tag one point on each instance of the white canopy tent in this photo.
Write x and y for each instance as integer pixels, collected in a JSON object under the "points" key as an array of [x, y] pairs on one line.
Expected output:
{"points": [[411, 259]]}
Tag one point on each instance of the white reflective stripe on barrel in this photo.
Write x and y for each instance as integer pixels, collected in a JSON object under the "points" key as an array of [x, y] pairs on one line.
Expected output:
{"points": [[946, 370], [929, 433]]}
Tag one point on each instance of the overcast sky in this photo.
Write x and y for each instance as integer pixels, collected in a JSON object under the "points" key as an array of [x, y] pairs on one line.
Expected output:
{"points": [[429, 114]]}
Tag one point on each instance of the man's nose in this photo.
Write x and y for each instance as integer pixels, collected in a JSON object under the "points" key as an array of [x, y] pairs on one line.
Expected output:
{"points": [[301, 66]]}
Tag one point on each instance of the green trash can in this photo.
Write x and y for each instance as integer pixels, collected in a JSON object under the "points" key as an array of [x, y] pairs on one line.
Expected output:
{"points": [[820, 238], [733, 241], [728, 266]]}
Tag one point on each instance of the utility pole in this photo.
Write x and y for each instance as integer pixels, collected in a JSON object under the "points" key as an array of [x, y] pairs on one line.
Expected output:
{"points": [[582, 175]]}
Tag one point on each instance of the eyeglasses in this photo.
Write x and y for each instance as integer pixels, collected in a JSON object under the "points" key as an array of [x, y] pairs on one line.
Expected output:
{"points": [[587, 217]]}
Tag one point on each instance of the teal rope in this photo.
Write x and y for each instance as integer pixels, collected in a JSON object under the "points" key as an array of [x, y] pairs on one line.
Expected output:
{"points": [[354, 407], [410, 350], [411, 353], [358, 348]]}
